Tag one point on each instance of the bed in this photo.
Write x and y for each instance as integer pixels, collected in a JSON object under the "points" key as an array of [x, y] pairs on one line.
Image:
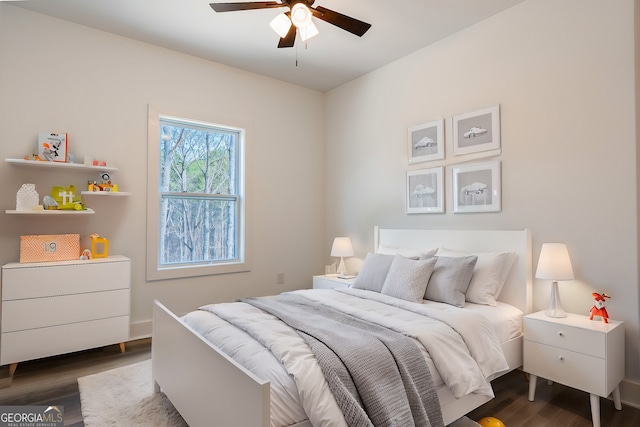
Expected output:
{"points": [[210, 388]]}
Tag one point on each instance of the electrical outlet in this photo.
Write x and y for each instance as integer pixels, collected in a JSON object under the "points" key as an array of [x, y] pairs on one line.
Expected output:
{"points": [[280, 278]]}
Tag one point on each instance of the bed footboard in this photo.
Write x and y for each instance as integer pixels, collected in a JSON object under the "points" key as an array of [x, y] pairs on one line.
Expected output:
{"points": [[204, 384]]}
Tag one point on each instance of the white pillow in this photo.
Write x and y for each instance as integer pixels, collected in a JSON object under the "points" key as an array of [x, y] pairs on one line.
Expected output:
{"points": [[489, 275], [373, 272], [406, 252], [450, 279], [407, 278]]}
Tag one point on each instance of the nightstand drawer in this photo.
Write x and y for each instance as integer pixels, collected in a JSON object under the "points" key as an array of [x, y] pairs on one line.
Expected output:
{"points": [[567, 367], [571, 338], [331, 282]]}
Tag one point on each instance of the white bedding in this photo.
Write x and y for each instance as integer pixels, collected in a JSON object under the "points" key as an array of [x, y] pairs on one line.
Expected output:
{"points": [[279, 354]]}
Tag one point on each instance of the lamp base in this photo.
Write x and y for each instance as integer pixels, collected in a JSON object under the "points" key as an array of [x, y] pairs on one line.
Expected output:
{"points": [[342, 270], [555, 307]]}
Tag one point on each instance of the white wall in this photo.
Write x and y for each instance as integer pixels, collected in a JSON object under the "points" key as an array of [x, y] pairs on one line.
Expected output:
{"points": [[563, 74], [58, 76]]}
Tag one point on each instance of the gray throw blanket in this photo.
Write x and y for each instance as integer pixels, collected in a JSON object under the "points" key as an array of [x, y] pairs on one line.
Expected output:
{"points": [[378, 377]]}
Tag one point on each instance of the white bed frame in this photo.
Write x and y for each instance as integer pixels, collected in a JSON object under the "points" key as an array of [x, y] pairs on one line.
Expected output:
{"points": [[209, 388]]}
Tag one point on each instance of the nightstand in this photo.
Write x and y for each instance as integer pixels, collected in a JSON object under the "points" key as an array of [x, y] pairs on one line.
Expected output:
{"points": [[331, 282], [584, 354]]}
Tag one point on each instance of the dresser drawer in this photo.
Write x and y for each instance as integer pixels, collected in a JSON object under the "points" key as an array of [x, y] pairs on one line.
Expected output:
{"points": [[581, 371], [581, 340], [34, 313], [22, 281], [44, 342]]}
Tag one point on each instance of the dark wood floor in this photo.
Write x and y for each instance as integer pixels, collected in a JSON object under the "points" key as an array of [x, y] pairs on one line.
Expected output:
{"points": [[555, 405], [53, 381]]}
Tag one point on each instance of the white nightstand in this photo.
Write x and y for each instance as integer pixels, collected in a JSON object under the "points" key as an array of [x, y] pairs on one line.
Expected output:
{"points": [[331, 282], [577, 352]]}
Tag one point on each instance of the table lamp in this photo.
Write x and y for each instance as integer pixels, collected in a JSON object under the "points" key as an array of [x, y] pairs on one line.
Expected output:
{"points": [[554, 264], [342, 248]]}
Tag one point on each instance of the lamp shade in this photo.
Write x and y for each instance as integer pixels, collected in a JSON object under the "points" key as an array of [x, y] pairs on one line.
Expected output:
{"points": [[281, 25], [554, 263], [342, 247], [300, 15]]}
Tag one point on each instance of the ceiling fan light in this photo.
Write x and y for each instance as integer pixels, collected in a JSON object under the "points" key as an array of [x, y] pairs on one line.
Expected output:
{"points": [[300, 15], [309, 31], [281, 25]]}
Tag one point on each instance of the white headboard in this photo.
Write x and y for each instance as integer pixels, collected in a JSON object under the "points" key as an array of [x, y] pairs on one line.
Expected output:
{"points": [[517, 290]]}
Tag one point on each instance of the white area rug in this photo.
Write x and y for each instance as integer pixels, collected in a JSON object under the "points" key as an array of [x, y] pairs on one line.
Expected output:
{"points": [[124, 397]]}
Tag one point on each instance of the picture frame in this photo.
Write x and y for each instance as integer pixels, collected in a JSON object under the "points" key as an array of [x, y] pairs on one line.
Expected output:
{"points": [[476, 131], [477, 187], [53, 147], [425, 191], [426, 142]]}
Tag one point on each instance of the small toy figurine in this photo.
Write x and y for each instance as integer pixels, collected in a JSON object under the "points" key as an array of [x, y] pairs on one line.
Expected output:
{"points": [[599, 309], [86, 254], [490, 422]]}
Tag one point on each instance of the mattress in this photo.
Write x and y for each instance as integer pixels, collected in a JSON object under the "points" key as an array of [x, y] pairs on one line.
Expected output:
{"points": [[287, 404]]}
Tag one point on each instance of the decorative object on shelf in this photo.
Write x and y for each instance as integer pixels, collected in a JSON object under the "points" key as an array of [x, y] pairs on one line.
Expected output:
{"points": [[85, 255], [52, 247], [49, 203], [67, 198], [599, 309], [477, 131], [554, 264], [341, 248], [52, 147], [27, 197], [99, 246], [90, 161]]}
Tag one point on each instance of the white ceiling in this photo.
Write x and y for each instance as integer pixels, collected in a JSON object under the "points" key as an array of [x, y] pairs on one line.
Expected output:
{"points": [[245, 40]]}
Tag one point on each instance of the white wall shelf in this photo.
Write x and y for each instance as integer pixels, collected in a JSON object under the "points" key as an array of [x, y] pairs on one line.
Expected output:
{"points": [[60, 165], [106, 193], [86, 211]]}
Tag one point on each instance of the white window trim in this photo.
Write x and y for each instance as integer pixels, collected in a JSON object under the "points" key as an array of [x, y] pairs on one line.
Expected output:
{"points": [[154, 270]]}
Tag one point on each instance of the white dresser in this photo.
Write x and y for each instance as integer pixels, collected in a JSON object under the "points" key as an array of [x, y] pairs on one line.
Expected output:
{"points": [[60, 307], [584, 354]]}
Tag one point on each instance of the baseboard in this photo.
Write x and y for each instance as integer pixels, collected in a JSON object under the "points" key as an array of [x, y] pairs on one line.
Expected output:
{"points": [[140, 330], [630, 393]]}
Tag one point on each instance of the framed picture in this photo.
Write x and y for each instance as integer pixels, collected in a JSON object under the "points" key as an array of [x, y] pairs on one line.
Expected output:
{"points": [[426, 142], [425, 190], [477, 131], [476, 187]]}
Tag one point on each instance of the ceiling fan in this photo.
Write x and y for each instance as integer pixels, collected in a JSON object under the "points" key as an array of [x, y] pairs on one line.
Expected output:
{"points": [[298, 18]]}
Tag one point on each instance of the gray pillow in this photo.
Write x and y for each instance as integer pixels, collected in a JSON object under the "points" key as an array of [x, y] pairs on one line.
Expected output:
{"points": [[450, 279], [407, 279], [373, 272]]}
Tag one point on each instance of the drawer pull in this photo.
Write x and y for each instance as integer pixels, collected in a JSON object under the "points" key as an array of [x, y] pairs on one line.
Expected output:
{"points": [[560, 334], [561, 358]]}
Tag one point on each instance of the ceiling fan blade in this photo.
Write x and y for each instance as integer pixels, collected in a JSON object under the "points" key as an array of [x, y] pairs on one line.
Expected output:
{"points": [[289, 39], [232, 7], [347, 23]]}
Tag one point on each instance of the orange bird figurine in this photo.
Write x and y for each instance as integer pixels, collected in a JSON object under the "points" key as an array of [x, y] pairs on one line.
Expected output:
{"points": [[599, 309]]}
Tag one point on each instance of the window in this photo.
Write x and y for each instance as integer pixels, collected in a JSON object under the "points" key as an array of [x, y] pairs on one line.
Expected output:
{"points": [[195, 198]]}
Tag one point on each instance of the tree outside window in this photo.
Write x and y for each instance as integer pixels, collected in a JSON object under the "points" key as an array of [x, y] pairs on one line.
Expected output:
{"points": [[198, 207]]}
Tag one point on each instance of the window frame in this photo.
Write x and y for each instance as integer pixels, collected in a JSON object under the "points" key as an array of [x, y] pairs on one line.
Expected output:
{"points": [[156, 271]]}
